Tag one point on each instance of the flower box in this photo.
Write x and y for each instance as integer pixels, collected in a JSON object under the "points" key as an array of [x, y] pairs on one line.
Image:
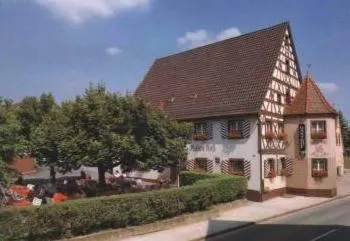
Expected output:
{"points": [[271, 174], [234, 134], [319, 173], [318, 135], [282, 136], [284, 172], [200, 136], [270, 135]]}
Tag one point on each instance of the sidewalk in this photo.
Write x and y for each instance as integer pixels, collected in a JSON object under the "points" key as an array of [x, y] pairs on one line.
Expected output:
{"points": [[243, 216], [239, 217]]}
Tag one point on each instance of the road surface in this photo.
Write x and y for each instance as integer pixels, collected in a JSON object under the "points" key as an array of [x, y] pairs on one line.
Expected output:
{"points": [[329, 222]]}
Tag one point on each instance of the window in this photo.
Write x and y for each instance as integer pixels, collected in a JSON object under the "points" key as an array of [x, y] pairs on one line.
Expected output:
{"points": [[201, 165], [287, 67], [288, 97], [271, 168], [283, 166], [234, 129], [200, 131], [279, 98], [338, 139], [236, 167], [200, 127], [318, 130], [319, 168]]}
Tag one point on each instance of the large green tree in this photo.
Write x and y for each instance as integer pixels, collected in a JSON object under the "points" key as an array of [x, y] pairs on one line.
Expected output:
{"points": [[345, 132], [111, 130], [11, 142], [52, 140]]}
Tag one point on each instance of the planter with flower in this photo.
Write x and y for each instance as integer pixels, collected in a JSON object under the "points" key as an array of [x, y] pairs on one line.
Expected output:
{"points": [[319, 173], [200, 136], [318, 135], [282, 136], [272, 174], [270, 135], [234, 134]]}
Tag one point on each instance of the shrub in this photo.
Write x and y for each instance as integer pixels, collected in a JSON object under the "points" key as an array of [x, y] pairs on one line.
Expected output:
{"points": [[189, 178], [84, 216]]}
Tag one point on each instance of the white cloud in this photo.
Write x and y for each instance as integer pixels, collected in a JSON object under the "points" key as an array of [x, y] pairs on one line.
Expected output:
{"points": [[228, 33], [202, 37], [79, 11], [329, 87], [112, 51]]}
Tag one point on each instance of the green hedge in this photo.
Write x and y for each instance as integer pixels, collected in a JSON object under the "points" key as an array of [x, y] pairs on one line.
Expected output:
{"points": [[85, 216], [189, 178]]}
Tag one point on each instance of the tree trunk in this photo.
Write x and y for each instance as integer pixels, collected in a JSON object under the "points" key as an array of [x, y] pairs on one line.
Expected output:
{"points": [[52, 174], [101, 175]]}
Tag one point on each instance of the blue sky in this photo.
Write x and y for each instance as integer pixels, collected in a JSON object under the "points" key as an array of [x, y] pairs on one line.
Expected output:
{"points": [[62, 45]]}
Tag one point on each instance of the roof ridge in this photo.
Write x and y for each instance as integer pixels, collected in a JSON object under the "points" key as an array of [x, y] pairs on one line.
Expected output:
{"points": [[224, 40], [322, 97]]}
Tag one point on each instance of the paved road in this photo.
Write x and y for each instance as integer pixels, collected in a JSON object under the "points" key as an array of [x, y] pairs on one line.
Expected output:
{"points": [[330, 222]]}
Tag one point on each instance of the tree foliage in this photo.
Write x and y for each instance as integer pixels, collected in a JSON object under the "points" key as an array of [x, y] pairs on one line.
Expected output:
{"points": [[345, 132], [115, 130], [10, 138]]}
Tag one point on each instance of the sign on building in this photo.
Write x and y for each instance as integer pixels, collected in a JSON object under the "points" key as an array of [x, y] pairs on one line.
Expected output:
{"points": [[302, 138]]}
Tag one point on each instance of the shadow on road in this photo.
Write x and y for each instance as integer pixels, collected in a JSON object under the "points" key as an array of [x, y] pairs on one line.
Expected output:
{"points": [[276, 232]]}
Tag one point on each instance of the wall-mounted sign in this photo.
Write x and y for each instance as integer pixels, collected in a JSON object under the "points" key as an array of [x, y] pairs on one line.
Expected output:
{"points": [[302, 138], [203, 147]]}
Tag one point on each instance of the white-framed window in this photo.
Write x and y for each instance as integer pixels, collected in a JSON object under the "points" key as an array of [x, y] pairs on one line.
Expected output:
{"points": [[319, 167], [234, 125], [234, 129], [200, 127], [236, 167], [318, 129], [319, 164]]}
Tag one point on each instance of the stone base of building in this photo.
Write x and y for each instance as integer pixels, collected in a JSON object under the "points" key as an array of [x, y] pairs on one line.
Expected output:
{"points": [[312, 192], [256, 196]]}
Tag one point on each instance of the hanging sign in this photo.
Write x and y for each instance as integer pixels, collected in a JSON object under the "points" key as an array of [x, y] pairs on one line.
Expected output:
{"points": [[302, 138]]}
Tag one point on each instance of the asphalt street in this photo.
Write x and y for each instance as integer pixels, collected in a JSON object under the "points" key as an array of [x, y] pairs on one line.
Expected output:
{"points": [[329, 222]]}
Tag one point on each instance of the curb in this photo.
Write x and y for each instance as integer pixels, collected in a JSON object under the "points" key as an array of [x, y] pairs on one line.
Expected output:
{"points": [[248, 224]]}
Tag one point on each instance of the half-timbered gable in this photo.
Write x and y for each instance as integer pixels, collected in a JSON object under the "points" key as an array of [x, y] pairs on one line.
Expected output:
{"points": [[282, 89]]}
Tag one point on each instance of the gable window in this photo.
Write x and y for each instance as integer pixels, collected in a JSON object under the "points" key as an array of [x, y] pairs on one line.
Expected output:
{"points": [[319, 168], [236, 167], [288, 97], [318, 130], [200, 131], [282, 135], [287, 67], [279, 98], [234, 129], [269, 133], [201, 165]]}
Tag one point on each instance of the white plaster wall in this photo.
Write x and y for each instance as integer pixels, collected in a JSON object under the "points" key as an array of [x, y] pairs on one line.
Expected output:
{"points": [[224, 149], [276, 182]]}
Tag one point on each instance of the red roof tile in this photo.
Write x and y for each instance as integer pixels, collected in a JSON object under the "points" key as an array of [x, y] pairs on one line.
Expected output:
{"points": [[309, 100], [229, 77]]}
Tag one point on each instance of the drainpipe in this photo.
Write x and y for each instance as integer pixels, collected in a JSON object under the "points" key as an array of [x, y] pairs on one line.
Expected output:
{"points": [[260, 154]]}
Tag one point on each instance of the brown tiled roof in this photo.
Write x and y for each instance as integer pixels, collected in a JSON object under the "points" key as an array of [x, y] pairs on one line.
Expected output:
{"points": [[309, 100], [229, 77]]}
